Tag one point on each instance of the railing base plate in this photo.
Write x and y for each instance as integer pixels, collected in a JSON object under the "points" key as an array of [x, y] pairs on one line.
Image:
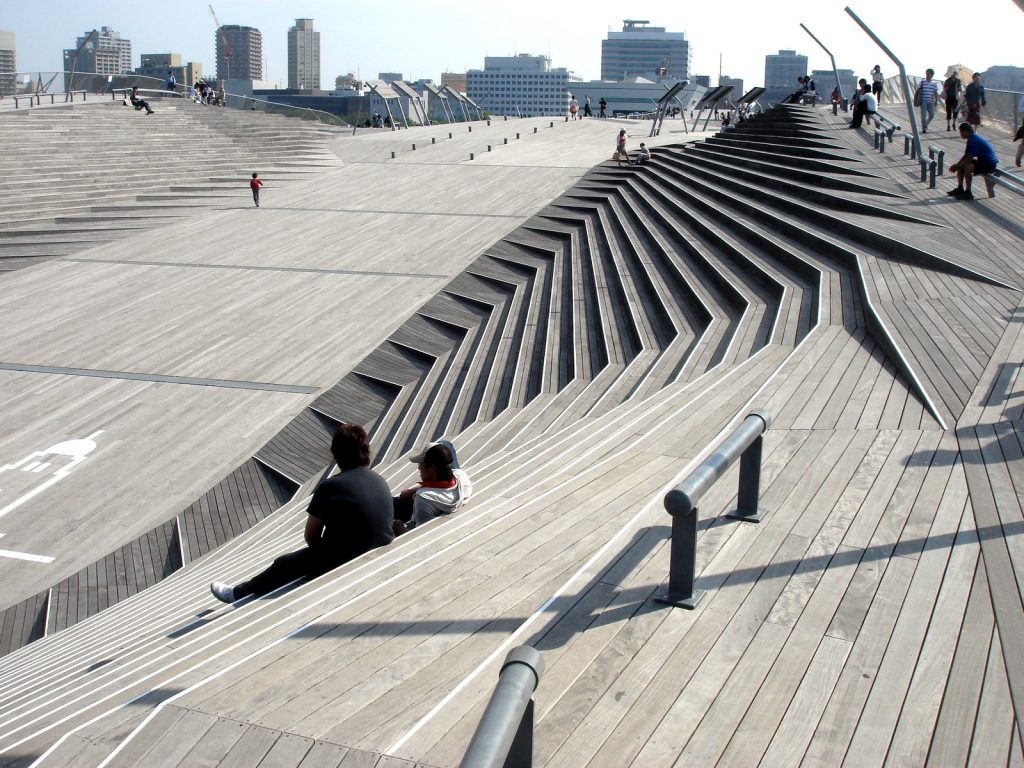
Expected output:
{"points": [[666, 598], [755, 518]]}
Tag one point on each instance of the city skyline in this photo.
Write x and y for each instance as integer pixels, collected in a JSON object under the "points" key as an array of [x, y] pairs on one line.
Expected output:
{"points": [[424, 41]]}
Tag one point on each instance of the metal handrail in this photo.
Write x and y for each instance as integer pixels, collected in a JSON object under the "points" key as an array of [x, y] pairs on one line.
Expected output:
{"points": [[745, 444], [504, 736]]}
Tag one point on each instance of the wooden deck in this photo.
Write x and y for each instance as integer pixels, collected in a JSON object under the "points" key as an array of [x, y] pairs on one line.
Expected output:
{"points": [[634, 317]]}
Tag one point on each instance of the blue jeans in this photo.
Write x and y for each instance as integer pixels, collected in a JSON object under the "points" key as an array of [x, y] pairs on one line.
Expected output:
{"points": [[927, 113]]}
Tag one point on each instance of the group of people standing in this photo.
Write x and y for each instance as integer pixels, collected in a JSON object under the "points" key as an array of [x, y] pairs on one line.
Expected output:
{"points": [[930, 91], [574, 107]]}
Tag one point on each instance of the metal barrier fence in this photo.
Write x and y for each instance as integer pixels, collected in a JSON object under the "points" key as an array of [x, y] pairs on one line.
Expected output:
{"points": [[504, 736], [745, 444]]}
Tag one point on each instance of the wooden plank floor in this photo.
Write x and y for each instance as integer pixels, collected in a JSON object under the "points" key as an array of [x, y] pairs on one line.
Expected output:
{"points": [[873, 618]]}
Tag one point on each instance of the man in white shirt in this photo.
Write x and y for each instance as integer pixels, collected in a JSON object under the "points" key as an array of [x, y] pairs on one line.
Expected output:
{"points": [[443, 487]]}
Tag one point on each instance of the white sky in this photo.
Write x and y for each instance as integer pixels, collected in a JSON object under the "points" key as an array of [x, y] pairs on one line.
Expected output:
{"points": [[423, 39]]}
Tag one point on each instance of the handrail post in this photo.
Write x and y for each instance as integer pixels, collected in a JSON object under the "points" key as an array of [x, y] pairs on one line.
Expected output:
{"points": [[682, 563], [745, 443], [750, 484], [504, 736]]}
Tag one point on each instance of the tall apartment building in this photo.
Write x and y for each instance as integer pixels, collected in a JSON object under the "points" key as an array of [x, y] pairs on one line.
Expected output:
{"points": [[780, 73], [104, 52], [8, 63], [239, 53], [303, 56], [640, 50], [525, 83]]}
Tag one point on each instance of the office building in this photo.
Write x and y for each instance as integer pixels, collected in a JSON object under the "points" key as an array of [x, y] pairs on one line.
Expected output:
{"points": [[303, 56], [1002, 78], [8, 63], [523, 84], [780, 73], [102, 51], [157, 65], [454, 80], [825, 82], [239, 53], [737, 86], [644, 51]]}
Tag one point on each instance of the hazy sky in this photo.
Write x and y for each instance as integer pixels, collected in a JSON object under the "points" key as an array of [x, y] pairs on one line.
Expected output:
{"points": [[423, 39]]}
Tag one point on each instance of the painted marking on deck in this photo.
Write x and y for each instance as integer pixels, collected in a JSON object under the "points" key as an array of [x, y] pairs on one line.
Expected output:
{"points": [[74, 451]]}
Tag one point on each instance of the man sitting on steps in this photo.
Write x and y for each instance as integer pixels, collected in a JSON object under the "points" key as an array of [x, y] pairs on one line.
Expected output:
{"points": [[442, 489], [349, 514]]}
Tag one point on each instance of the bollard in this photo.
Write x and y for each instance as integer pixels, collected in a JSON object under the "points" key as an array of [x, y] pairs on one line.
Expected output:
{"points": [[683, 562], [534, 130], [517, 135], [924, 169], [931, 174], [488, 122], [471, 129], [881, 143], [835, 107], [551, 124], [392, 155], [877, 131], [433, 140], [745, 444], [941, 156], [488, 147], [413, 147], [470, 155], [506, 141], [906, 144], [449, 135]]}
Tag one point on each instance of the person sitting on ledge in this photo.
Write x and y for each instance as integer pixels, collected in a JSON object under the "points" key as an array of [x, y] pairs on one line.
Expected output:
{"points": [[643, 156], [443, 487], [138, 102], [979, 158], [349, 514]]}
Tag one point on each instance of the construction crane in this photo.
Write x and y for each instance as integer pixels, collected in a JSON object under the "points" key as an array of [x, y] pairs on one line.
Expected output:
{"points": [[224, 44]]}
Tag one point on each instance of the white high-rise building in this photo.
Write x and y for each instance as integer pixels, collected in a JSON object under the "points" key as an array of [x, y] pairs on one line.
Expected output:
{"points": [[523, 84], [303, 56], [641, 50], [8, 63]]}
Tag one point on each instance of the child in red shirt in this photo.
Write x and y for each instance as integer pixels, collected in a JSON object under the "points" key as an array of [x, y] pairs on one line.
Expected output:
{"points": [[255, 185]]}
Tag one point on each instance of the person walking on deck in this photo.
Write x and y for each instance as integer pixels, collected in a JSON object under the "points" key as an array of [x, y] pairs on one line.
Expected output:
{"points": [[927, 97], [974, 97], [951, 89]]}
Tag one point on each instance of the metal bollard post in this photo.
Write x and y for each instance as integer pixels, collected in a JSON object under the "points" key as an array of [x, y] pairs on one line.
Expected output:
{"points": [[433, 140], [876, 138], [551, 124], [881, 141], [931, 174], [392, 155], [906, 144], [835, 107], [534, 130], [471, 155], [449, 134], [941, 155], [488, 122], [471, 129], [413, 147], [924, 169], [682, 564], [750, 485], [488, 147], [506, 141]]}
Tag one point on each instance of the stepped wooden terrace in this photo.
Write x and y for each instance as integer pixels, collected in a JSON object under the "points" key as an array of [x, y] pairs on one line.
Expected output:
{"points": [[585, 333]]}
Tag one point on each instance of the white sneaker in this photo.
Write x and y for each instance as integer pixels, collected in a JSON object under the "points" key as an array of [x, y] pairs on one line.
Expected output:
{"points": [[223, 592]]}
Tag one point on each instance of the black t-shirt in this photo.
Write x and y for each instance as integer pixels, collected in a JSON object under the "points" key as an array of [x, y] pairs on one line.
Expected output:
{"points": [[357, 511]]}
